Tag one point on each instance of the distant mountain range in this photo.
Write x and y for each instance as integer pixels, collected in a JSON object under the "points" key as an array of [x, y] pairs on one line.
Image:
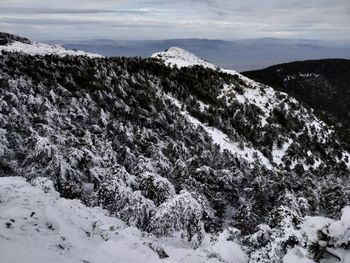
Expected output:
{"points": [[240, 55]]}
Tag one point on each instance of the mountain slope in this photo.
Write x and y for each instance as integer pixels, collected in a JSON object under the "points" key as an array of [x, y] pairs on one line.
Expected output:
{"points": [[320, 84], [11, 43], [268, 103], [181, 153]]}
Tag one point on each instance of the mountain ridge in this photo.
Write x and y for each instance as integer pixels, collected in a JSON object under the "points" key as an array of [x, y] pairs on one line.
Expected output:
{"points": [[12, 43]]}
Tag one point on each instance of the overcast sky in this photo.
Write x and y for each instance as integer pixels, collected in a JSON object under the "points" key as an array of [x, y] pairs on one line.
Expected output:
{"points": [[163, 19]]}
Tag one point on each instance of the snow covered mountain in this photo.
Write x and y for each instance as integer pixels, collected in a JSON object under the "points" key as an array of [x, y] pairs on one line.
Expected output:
{"points": [[11, 43], [184, 154]]}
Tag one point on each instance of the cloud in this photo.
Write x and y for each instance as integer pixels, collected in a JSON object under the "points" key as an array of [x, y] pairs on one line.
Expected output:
{"points": [[156, 19], [24, 11]]}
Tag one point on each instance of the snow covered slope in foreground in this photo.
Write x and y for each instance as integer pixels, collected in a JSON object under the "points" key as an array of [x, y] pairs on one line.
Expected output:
{"points": [[36, 226], [12, 43]]}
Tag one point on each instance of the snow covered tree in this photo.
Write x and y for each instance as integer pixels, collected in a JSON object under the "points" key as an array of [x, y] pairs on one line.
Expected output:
{"points": [[182, 214], [156, 188], [333, 238], [116, 193]]}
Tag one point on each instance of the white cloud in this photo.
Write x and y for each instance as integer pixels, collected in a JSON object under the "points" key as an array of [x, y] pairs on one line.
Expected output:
{"points": [[177, 19]]}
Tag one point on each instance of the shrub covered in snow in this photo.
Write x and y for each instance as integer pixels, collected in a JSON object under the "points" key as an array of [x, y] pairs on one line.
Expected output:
{"points": [[117, 195], [333, 238], [185, 214], [156, 188]]}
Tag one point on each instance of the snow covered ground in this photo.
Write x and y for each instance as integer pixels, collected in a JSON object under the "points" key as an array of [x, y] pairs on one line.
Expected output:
{"points": [[338, 232], [37, 226]]}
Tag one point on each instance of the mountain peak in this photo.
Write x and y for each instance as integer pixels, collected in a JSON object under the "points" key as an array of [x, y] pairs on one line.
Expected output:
{"points": [[181, 58]]}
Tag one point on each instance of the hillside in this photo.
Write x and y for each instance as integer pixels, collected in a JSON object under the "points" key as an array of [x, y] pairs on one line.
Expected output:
{"points": [[174, 146], [323, 85]]}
